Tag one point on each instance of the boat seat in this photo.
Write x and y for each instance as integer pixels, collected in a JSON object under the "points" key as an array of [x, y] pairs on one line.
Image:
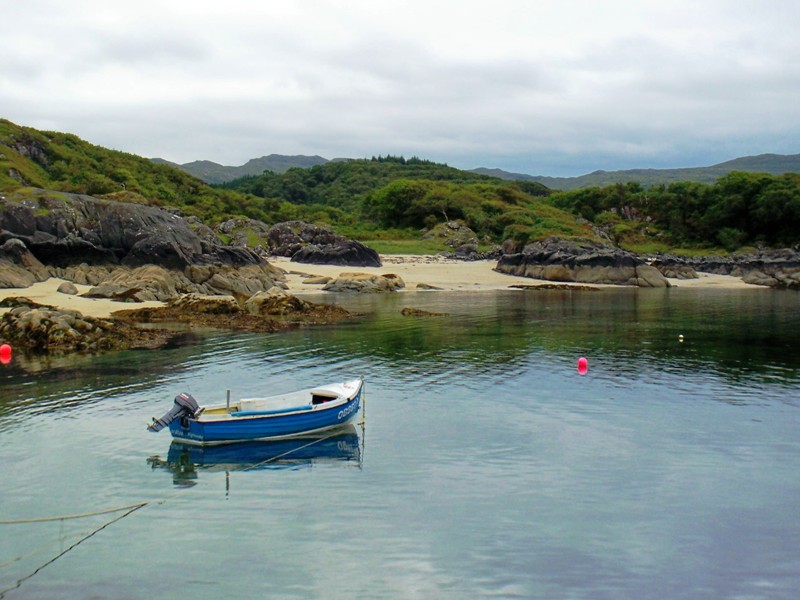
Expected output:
{"points": [[322, 398], [274, 411]]}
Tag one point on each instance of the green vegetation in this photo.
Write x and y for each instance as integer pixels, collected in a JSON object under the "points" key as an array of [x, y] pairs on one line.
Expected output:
{"points": [[390, 201], [364, 198], [343, 184], [739, 209], [64, 162]]}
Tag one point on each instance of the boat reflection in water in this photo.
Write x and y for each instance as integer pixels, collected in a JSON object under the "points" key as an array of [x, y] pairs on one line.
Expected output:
{"points": [[185, 461]]}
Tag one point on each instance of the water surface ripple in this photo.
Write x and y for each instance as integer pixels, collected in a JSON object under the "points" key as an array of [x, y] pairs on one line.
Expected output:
{"points": [[488, 467]]}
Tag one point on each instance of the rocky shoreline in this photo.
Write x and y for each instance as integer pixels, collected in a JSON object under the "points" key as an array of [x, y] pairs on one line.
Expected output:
{"points": [[132, 253]]}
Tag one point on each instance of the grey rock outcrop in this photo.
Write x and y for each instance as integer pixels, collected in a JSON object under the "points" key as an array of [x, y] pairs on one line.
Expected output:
{"points": [[312, 244], [453, 233], [247, 233], [285, 239], [556, 259], [18, 267], [152, 282], [778, 268], [63, 229], [348, 253], [674, 267]]}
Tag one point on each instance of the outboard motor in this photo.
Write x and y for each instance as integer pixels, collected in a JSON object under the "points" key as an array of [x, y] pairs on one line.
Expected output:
{"points": [[185, 406]]}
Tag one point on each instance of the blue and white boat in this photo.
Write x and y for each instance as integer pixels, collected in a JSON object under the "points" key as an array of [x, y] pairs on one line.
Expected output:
{"points": [[268, 418]]}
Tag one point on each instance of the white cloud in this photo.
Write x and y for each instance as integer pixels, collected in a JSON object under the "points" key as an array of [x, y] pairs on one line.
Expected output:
{"points": [[539, 87]]}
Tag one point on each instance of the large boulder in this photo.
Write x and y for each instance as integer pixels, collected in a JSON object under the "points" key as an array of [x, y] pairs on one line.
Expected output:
{"points": [[285, 239], [18, 267], [348, 253], [365, 283], [141, 284], [453, 233], [582, 261], [84, 274], [313, 244]]}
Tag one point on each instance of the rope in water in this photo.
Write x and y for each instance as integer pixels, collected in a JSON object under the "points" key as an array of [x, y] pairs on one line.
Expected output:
{"points": [[104, 511], [63, 552]]}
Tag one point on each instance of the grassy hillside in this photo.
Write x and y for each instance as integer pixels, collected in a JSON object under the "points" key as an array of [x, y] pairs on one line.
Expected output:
{"points": [[64, 162], [386, 198]]}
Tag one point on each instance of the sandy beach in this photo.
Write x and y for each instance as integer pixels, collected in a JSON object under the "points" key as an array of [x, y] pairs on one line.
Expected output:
{"points": [[445, 274], [46, 292], [457, 275]]}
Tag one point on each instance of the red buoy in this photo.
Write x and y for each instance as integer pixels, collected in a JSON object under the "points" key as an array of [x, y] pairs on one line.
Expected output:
{"points": [[583, 365], [5, 354]]}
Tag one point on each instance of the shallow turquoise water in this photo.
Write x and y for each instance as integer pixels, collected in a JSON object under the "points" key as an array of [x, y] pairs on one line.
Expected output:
{"points": [[487, 466]]}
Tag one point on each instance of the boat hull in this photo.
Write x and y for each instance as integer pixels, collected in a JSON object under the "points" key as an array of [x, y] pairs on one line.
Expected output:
{"points": [[253, 427]]}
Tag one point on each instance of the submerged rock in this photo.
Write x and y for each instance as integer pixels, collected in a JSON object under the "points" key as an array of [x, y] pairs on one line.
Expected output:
{"points": [[418, 312]]}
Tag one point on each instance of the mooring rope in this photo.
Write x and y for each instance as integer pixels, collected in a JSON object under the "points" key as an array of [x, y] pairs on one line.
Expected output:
{"points": [[22, 580], [104, 511], [335, 432]]}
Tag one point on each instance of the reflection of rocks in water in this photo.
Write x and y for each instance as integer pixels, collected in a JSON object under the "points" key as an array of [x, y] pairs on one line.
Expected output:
{"points": [[418, 312]]}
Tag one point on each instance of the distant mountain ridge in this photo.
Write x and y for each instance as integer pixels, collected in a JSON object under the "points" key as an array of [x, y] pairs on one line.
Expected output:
{"points": [[774, 164], [214, 173]]}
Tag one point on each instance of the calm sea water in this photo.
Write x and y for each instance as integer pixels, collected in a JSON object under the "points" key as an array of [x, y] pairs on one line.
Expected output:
{"points": [[487, 466]]}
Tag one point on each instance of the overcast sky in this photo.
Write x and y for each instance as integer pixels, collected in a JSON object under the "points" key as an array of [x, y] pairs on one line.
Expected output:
{"points": [[539, 87]]}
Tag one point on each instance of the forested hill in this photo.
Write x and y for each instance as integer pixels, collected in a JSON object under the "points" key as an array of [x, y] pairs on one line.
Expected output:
{"points": [[341, 183], [214, 173], [772, 164]]}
